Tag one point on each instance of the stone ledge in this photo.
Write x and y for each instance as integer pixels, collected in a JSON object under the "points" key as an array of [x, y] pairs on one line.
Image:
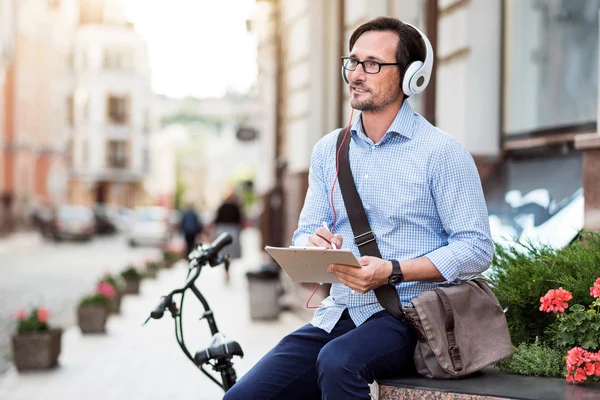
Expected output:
{"points": [[490, 384], [586, 141]]}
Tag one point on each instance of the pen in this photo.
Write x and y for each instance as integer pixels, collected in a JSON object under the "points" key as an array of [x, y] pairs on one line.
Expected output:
{"points": [[326, 227]]}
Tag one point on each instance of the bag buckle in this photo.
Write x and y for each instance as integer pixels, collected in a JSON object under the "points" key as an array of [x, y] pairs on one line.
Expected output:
{"points": [[364, 238]]}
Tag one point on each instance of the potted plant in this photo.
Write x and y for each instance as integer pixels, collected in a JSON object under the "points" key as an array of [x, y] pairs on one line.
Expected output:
{"points": [[132, 279], [35, 345], [113, 281], [93, 310], [152, 268]]}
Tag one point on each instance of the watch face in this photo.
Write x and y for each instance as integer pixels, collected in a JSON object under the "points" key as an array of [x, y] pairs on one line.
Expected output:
{"points": [[393, 280]]}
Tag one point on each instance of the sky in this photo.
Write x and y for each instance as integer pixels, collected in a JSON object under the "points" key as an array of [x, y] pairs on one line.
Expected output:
{"points": [[197, 47]]}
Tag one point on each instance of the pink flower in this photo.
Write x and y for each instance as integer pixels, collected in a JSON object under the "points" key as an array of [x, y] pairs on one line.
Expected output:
{"points": [[555, 300], [43, 314], [595, 290], [589, 369], [21, 315], [106, 289]]}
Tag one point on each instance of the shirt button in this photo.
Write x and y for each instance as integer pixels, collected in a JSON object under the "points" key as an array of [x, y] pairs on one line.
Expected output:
{"points": [[368, 207], [372, 147], [366, 176], [352, 292]]}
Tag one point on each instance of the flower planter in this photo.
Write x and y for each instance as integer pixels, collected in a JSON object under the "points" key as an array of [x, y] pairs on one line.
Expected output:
{"points": [[36, 350], [132, 286], [92, 318], [151, 271]]}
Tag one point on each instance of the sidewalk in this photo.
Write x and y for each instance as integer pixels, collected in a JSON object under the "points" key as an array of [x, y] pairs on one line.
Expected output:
{"points": [[135, 362], [19, 240]]}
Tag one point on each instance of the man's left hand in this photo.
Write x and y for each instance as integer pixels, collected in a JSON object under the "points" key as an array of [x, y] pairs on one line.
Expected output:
{"points": [[373, 273]]}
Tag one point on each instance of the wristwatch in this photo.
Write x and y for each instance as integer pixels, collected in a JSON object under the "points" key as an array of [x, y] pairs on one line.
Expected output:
{"points": [[396, 277]]}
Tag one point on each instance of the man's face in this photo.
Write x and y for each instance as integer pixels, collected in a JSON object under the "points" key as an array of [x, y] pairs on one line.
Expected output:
{"points": [[374, 92]]}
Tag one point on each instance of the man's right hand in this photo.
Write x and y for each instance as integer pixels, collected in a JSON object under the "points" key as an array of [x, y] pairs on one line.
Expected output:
{"points": [[323, 238]]}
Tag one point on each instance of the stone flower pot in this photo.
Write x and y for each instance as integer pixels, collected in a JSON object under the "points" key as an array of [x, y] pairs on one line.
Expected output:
{"points": [[151, 271], [132, 286], [92, 318], [36, 350]]}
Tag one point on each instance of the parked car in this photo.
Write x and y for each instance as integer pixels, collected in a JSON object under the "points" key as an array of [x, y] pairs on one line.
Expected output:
{"points": [[73, 222], [149, 226]]}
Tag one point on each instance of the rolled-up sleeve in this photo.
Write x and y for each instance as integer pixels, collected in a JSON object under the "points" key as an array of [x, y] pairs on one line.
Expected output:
{"points": [[458, 195], [316, 207]]}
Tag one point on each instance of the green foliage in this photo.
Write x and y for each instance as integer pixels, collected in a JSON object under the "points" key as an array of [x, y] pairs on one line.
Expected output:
{"points": [[97, 299], [526, 274], [535, 359], [580, 327], [131, 273], [32, 323]]}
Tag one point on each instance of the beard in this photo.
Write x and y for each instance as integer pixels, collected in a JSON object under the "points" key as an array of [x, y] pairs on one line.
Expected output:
{"points": [[375, 103]]}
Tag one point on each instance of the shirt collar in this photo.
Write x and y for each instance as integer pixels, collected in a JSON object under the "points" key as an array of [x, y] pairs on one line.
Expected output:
{"points": [[403, 123]]}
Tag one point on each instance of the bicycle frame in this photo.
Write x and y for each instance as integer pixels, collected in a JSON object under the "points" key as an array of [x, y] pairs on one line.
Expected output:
{"points": [[202, 256]]}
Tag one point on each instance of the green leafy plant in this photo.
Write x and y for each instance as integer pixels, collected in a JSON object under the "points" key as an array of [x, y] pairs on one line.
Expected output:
{"points": [[525, 271], [535, 359], [131, 272], [35, 321], [96, 299], [105, 293], [111, 280]]}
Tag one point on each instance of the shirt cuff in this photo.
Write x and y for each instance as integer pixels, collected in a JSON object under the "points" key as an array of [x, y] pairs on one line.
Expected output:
{"points": [[446, 262]]}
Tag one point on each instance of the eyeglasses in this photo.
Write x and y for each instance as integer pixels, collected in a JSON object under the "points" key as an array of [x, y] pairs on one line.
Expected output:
{"points": [[370, 67]]}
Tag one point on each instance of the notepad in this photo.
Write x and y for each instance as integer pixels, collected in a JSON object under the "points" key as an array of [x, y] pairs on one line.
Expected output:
{"points": [[309, 264]]}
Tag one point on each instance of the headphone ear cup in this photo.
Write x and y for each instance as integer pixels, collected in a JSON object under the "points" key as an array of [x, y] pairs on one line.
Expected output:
{"points": [[408, 82], [344, 75]]}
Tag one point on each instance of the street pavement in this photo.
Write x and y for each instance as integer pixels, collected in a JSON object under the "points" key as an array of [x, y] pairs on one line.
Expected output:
{"points": [[34, 272], [135, 362]]}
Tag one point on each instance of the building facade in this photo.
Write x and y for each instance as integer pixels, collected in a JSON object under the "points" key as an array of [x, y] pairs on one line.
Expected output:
{"points": [[7, 54], [111, 108], [34, 169], [514, 81]]}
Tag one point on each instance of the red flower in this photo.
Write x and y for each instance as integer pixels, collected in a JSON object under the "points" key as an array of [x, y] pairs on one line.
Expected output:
{"points": [[589, 369], [21, 315], [42, 314], [580, 375], [555, 300], [595, 290]]}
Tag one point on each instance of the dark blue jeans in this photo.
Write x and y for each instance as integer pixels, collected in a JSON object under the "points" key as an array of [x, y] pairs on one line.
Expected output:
{"points": [[313, 364]]}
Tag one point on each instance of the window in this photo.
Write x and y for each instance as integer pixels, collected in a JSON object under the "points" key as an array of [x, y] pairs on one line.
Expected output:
{"points": [[117, 154], [117, 109], [117, 59], [551, 64]]}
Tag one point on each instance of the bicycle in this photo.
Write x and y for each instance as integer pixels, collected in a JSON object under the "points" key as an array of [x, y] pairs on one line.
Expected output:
{"points": [[220, 351]]}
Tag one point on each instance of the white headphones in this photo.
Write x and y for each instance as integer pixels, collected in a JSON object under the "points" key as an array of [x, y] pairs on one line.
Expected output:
{"points": [[417, 73]]}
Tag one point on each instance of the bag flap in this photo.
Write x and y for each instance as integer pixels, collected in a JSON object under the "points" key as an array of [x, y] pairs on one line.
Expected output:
{"points": [[479, 326]]}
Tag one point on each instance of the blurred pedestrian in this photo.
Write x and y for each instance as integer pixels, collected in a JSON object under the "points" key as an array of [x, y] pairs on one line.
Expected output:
{"points": [[229, 219], [191, 227]]}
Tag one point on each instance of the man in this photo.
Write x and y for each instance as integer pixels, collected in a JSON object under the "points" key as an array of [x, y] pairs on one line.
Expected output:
{"points": [[423, 198], [191, 227]]}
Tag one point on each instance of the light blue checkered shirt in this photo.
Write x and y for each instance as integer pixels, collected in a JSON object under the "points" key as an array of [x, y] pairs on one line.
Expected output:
{"points": [[423, 197]]}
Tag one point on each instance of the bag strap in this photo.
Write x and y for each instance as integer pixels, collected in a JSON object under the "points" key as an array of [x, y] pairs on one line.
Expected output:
{"points": [[364, 237], [453, 348]]}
